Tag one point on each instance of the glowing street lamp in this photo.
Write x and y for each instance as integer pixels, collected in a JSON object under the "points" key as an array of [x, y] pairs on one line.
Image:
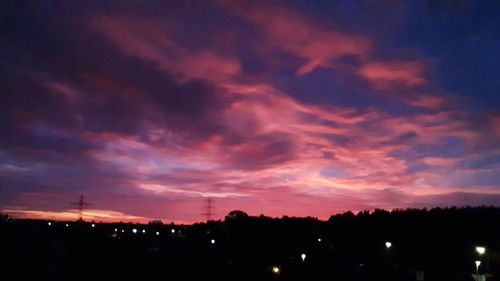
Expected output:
{"points": [[303, 257], [480, 250], [276, 269], [157, 233], [49, 223], [212, 241], [93, 225], [123, 230], [478, 263], [134, 231], [116, 229], [143, 231], [388, 244], [319, 240], [173, 231], [67, 225]]}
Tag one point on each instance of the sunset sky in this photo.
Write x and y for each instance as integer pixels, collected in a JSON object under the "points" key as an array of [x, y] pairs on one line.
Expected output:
{"points": [[298, 108]]}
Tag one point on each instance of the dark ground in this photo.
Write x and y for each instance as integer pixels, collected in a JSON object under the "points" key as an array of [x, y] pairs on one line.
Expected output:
{"points": [[440, 242]]}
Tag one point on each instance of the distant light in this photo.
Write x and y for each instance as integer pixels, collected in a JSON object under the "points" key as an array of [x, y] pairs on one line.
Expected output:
{"points": [[116, 229], [157, 233], [303, 257], [480, 250], [143, 231], [478, 263], [49, 223], [173, 230], [134, 230], [319, 240], [388, 244], [93, 225], [123, 230], [67, 225], [276, 269], [212, 241]]}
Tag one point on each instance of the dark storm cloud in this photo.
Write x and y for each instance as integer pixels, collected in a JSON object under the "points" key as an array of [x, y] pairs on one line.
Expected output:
{"points": [[458, 199], [263, 151], [404, 138], [107, 91]]}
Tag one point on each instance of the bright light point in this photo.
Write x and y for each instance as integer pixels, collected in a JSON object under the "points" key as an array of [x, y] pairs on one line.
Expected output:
{"points": [[49, 223], [276, 269], [173, 230], [478, 263], [123, 230], [480, 250], [143, 231], [134, 230], [67, 225], [303, 257], [116, 229], [212, 241], [388, 245], [319, 239], [157, 233], [93, 225]]}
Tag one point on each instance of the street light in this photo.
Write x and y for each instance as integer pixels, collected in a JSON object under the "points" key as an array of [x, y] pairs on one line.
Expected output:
{"points": [[143, 231], [276, 269], [480, 250], [388, 244], [49, 223], [157, 233], [212, 241], [303, 257], [478, 263], [134, 230], [93, 225]]}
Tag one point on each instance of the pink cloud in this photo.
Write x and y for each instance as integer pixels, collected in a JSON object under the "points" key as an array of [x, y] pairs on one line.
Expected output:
{"points": [[364, 162], [269, 153], [283, 149], [152, 40], [301, 36], [73, 215], [427, 101], [384, 74]]}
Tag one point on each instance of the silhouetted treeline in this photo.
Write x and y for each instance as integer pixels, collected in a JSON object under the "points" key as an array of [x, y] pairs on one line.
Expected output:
{"points": [[436, 244]]}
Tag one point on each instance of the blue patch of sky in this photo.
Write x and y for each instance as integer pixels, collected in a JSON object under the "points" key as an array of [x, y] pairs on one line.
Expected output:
{"points": [[458, 39], [331, 173]]}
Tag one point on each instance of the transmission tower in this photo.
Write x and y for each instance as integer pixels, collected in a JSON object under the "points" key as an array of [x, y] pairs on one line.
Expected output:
{"points": [[208, 209], [81, 204]]}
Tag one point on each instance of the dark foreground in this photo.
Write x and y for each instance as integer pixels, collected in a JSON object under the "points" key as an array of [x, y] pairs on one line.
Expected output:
{"points": [[439, 244]]}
